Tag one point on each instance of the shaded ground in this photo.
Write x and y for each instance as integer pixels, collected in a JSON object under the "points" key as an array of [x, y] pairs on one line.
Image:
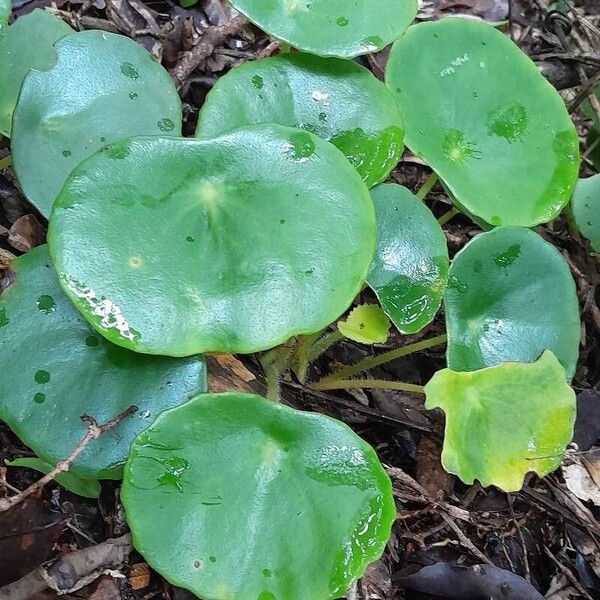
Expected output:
{"points": [[544, 533]]}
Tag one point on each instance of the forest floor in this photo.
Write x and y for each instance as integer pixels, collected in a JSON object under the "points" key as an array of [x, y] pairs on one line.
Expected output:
{"points": [[544, 533]]}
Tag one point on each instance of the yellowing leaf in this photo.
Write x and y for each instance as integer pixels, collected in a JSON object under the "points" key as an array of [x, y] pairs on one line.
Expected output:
{"points": [[366, 324], [504, 421]]}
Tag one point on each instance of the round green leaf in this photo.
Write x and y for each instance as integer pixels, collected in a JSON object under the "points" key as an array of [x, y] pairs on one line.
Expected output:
{"points": [[55, 369], [179, 247], [104, 87], [410, 269], [331, 27], [335, 99], [88, 488], [478, 111], [510, 296], [504, 421], [586, 209], [27, 44], [262, 501], [366, 324]]}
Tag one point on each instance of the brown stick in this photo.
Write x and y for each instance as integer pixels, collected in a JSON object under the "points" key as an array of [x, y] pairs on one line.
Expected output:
{"points": [[94, 431], [210, 38], [71, 571]]}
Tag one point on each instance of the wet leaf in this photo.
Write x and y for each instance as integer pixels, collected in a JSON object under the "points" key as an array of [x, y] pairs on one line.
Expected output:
{"points": [[505, 421], [410, 269], [289, 504], [331, 27], [55, 368], [267, 233], [366, 324], [19, 55], [104, 87], [478, 111], [510, 296], [88, 488], [586, 209], [336, 99]]}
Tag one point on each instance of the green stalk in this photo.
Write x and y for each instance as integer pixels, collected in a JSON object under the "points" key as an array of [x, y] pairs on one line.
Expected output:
{"points": [[375, 361], [275, 363], [448, 215], [427, 186], [384, 384]]}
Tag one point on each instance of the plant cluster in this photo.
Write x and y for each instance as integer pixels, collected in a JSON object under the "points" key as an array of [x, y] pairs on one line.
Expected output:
{"points": [[271, 221]]}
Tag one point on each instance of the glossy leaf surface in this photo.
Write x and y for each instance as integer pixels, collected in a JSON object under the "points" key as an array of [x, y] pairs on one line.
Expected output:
{"points": [[344, 28], [55, 368], [266, 233], [510, 296], [27, 44], [104, 87], [336, 99], [410, 269], [586, 209], [88, 488], [504, 421], [478, 111], [366, 324], [260, 500]]}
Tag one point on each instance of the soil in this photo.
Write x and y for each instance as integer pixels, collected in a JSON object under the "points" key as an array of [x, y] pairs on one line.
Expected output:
{"points": [[545, 534]]}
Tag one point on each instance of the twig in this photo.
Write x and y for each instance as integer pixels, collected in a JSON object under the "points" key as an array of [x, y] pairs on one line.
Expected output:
{"points": [[445, 512], [210, 38], [567, 573], [94, 431], [70, 572]]}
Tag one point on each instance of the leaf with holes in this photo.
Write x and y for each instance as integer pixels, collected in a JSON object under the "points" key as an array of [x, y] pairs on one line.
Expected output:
{"points": [[55, 368], [586, 209], [331, 27], [410, 269], [335, 99], [366, 324], [504, 421], [290, 504], [479, 112], [19, 56], [266, 233], [104, 87], [510, 296]]}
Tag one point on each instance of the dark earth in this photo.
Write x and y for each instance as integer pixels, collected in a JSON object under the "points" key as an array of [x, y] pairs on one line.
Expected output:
{"points": [[545, 534]]}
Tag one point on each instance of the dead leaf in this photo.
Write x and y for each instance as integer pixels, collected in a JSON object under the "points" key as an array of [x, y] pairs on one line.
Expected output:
{"points": [[227, 373], [28, 531], [582, 475], [26, 233], [139, 576]]}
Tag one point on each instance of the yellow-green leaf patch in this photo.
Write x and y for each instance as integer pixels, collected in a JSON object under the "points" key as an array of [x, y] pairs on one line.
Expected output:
{"points": [[505, 421]]}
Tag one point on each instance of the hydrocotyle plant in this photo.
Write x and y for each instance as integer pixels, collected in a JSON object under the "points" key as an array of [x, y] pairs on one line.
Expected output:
{"points": [[272, 221]]}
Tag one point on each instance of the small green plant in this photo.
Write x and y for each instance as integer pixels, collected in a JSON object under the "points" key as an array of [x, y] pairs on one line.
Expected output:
{"points": [[257, 236]]}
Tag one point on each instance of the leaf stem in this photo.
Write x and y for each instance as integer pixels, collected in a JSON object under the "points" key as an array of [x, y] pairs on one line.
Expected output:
{"points": [[324, 344], [448, 215], [275, 363], [427, 186], [383, 384], [375, 361], [5, 162]]}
